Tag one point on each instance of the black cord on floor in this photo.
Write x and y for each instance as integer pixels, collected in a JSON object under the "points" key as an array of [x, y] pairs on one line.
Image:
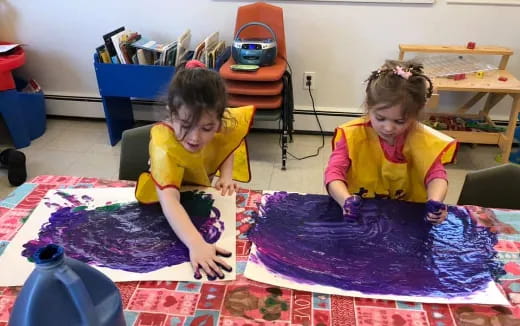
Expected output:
{"points": [[319, 125]]}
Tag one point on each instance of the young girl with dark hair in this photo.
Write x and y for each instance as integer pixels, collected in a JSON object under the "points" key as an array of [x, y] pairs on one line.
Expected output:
{"points": [[201, 137]]}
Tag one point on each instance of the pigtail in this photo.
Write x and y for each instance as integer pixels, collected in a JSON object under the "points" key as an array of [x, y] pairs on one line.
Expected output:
{"points": [[373, 76], [417, 72]]}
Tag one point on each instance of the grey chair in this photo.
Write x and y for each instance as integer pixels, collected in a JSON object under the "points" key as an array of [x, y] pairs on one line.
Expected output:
{"points": [[496, 187], [134, 152]]}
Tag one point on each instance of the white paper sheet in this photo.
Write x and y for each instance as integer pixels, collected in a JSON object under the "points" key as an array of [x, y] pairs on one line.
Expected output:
{"points": [[15, 269], [257, 271]]}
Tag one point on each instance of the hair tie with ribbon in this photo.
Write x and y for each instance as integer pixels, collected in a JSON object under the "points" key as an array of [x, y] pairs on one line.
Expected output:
{"points": [[405, 74], [192, 64]]}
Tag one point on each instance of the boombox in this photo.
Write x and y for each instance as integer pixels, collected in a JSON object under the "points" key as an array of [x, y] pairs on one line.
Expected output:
{"points": [[261, 52]]}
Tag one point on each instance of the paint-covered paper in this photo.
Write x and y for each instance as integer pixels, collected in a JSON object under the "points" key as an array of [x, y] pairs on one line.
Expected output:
{"points": [[109, 230], [390, 252]]}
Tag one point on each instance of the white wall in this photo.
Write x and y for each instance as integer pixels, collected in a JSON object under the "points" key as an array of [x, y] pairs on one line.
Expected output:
{"points": [[342, 42]]}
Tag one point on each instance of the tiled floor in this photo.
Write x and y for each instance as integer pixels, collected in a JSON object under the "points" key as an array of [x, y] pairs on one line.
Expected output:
{"points": [[80, 147]]}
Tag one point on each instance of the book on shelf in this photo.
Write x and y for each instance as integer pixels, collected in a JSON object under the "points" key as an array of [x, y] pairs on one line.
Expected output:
{"points": [[111, 50], [103, 54], [183, 46]]}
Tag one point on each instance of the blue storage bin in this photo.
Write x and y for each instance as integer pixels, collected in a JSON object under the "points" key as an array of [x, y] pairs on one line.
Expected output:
{"points": [[137, 81], [119, 83], [32, 106]]}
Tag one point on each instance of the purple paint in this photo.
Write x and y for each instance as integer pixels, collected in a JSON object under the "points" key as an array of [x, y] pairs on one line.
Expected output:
{"points": [[87, 198], [389, 249], [131, 237], [68, 197]]}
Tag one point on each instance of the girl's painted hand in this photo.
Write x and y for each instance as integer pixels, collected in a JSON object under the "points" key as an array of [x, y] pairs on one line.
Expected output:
{"points": [[205, 256], [352, 207], [437, 212], [226, 186]]}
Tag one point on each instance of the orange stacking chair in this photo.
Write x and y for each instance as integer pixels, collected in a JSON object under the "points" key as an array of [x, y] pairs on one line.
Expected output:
{"points": [[269, 88]]}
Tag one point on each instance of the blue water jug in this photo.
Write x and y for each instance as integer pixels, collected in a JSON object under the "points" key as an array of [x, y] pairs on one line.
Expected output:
{"points": [[62, 291]]}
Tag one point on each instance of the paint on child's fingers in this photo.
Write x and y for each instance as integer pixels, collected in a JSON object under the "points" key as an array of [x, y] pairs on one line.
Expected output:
{"points": [[197, 274], [214, 273], [224, 254], [216, 270], [209, 272], [221, 275], [224, 267]]}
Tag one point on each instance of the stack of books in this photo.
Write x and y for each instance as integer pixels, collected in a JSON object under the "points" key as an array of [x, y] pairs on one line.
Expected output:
{"points": [[127, 47]]}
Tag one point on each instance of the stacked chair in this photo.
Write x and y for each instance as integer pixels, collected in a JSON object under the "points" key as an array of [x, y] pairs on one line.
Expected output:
{"points": [[269, 88]]}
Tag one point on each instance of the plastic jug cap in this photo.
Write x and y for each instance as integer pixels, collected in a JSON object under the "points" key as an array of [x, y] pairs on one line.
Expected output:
{"points": [[49, 254]]}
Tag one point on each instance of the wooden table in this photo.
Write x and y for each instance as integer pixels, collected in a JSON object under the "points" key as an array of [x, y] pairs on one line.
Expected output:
{"points": [[490, 85], [243, 302]]}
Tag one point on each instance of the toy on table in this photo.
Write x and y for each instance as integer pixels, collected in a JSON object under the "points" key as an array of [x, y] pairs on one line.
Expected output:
{"points": [[459, 76], [471, 45], [502, 78], [479, 74], [460, 124]]}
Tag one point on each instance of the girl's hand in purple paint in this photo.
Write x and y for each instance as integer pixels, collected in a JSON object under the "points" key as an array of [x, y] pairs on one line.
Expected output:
{"points": [[437, 212], [352, 207], [205, 256], [226, 186]]}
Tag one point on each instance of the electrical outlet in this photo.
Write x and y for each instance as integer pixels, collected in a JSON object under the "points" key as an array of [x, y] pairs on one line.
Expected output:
{"points": [[309, 77]]}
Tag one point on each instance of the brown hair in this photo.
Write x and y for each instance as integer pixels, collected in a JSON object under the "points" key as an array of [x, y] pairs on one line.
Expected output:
{"points": [[198, 89], [399, 83]]}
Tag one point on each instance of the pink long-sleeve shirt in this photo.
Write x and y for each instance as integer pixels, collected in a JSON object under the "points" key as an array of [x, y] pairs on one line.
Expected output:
{"points": [[339, 161]]}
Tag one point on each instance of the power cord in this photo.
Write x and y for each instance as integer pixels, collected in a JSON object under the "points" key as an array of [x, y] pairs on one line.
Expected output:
{"points": [[308, 84]]}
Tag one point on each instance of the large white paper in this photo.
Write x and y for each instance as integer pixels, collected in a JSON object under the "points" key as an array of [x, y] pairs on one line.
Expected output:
{"points": [[257, 271], [15, 269]]}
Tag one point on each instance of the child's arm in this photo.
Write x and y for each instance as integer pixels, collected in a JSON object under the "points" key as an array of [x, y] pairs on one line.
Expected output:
{"points": [[437, 189], [201, 253], [338, 190], [225, 183], [335, 175]]}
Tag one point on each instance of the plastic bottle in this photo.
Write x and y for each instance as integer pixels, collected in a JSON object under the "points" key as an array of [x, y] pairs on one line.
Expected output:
{"points": [[62, 291]]}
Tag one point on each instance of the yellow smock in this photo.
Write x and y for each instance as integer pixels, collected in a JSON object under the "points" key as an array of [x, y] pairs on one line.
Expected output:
{"points": [[171, 165], [371, 175]]}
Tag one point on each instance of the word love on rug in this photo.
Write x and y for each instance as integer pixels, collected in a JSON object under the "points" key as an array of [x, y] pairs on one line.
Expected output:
{"points": [[109, 230], [390, 252]]}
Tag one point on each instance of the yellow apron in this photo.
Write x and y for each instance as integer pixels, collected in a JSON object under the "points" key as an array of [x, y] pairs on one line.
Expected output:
{"points": [[171, 165], [371, 175]]}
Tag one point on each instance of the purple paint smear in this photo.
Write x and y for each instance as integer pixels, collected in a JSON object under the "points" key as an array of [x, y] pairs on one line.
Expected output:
{"points": [[391, 249], [132, 237]]}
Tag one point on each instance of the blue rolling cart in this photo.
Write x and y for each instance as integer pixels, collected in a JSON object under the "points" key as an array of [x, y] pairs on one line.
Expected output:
{"points": [[120, 83]]}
